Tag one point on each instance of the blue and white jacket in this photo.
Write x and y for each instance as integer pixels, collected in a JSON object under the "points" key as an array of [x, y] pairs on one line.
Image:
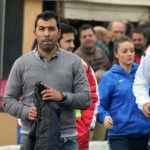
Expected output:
{"points": [[117, 100]]}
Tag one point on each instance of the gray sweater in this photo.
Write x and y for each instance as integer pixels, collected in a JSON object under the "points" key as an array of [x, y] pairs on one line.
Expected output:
{"points": [[64, 73]]}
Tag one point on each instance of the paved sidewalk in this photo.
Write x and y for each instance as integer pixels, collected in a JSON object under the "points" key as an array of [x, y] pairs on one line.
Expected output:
{"points": [[99, 145], [94, 145], [10, 147]]}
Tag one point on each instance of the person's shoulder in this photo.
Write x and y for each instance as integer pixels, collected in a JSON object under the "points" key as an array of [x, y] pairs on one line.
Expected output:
{"points": [[108, 79], [109, 75], [135, 65], [69, 54], [78, 51], [147, 58], [99, 49], [24, 57]]}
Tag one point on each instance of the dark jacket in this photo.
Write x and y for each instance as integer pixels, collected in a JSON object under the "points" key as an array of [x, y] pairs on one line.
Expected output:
{"points": [[45, 131]]}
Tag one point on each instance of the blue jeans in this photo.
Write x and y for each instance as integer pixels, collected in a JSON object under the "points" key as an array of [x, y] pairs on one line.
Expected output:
{"points": [[18, 135], [69, 145], [22, 140]]}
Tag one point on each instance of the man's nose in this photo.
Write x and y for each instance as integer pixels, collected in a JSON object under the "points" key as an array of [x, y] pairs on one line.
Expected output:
{"points": [[46, 32], [72, 45]]}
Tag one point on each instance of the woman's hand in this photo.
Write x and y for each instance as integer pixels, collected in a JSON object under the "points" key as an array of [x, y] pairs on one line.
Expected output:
{"points": [[108, 122]]}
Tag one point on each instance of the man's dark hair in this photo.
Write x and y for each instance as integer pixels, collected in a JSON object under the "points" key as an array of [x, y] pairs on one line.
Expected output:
{"points": [[46, 15], [85, 27], [140, 31], [65, 28]]}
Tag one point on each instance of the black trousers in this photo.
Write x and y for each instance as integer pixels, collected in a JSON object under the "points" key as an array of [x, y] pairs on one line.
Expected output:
{"points": [[127, 143]]}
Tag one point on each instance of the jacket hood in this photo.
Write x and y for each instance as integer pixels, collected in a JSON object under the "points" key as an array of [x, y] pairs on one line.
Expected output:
{"points": [[117, 69]]}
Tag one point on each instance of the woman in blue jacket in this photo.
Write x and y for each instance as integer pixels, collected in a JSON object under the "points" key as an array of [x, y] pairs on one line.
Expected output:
{"points": [[128, 128]]}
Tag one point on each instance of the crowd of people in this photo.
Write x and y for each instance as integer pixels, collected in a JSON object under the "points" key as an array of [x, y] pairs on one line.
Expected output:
{"points": [[65, 97]]}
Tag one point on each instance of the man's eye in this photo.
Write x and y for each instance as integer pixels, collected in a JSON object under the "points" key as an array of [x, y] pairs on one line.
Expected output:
{"points": [[51, 28], [41, 29], [69, 41]]}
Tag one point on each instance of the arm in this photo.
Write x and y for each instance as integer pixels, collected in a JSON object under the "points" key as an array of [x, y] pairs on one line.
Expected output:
{"points": [[13, 92], [89, 115], [81, 98], [141, 83], [105, 92]]}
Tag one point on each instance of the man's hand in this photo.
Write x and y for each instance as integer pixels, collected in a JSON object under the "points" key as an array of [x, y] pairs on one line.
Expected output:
{"points": [[146, 110], [51, 94], [108, 122], [33, 113]]}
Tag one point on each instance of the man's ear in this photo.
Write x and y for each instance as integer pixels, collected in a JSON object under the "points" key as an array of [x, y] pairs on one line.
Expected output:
{"points": [[59, 33], [34, 33]]}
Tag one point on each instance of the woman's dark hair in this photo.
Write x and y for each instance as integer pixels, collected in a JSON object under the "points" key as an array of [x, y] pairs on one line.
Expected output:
{"points": [[46, 15], [119, 40]]}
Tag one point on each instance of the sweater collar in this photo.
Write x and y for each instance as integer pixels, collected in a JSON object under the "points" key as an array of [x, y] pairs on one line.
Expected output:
{"points": [[36, 52]]}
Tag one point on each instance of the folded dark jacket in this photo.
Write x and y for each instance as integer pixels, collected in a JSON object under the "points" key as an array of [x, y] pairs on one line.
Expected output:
{"points": [[45, 131]]}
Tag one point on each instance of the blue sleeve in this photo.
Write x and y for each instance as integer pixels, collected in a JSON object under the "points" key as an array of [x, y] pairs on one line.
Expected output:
{"points": [[105, 92]]}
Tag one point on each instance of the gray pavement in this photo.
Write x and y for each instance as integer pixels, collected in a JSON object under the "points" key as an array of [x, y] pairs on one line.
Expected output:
{"points": [[94, 145]]}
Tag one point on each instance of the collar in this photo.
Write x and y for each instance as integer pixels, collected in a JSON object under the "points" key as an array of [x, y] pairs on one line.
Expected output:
{"points": [[36, 52]]}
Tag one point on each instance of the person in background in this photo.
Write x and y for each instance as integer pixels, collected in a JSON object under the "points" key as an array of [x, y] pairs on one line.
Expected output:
{"points": [[64, 80], [129, 27], [142, 22], [85, 119], [128, 128], [140, 43], [90, 53], [116, 29], [141, 86], [102, 39]]}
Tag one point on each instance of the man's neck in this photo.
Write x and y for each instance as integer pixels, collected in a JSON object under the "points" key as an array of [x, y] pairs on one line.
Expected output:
{"points": [[47, 54], [89, 49]]}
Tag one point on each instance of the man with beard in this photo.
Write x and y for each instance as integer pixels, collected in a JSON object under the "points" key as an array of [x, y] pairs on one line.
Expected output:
{"points": [[139, 40], [63, 77]]}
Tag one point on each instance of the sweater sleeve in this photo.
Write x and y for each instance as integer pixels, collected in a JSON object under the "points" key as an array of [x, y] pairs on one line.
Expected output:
{"points": [[105, 91], [13, 92], [81, 97], [142, 82]]}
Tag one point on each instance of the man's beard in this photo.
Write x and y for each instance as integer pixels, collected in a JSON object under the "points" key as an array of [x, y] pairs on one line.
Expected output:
{"points": [[139, 51], [47, 47]]}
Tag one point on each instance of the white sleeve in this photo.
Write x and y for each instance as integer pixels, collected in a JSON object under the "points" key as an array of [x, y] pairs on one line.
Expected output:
{"points": [[142, 82]]}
